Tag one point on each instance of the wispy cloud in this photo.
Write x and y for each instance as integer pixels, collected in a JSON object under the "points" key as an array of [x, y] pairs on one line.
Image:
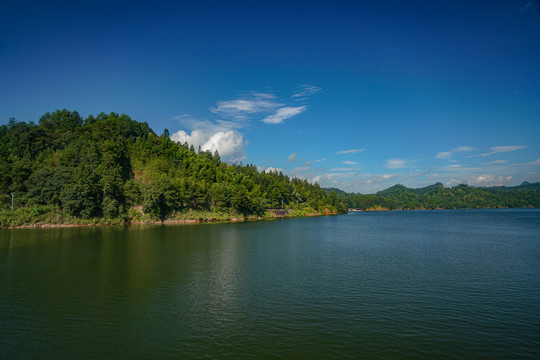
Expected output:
{"points": [[350, 151], [449, 154], [223, 134], [397, 164], [331, 179], [379, 178], [259, 104], [454, 168], [481, 180], [495, 162], [253, 103], [444, 155], [191, 122], [348, 162], [284, 113], [292, 157], [463, 148], [320, 160], [503, 149], [490, 172], [305, 91], [300, 169], [526, 7], [346, 169]]}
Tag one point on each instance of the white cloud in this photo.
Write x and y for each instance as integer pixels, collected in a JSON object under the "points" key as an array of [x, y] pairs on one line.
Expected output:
{"points": [[325, 180], [351, 151], [503, 149], [269, 169], [449, 154], [305, 91], [453, 182], [453, 168], [444, 155], [255, 103], [230, 144], [300, 169], [481, 181], [190, 122], [197, 137], [320, 160], [397, 164], [292, 157], [284, 113], [346, 169], [223, 134], [211, 136], [408, 172], [378, 178], [463, 149], [239, 109], [347, 162], [494, 162]]}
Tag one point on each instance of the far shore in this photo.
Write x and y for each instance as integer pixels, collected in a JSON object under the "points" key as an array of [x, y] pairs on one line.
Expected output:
{"points": [[436, 209]]}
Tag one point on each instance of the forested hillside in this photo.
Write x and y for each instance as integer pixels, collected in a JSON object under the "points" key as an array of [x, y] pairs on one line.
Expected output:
{"points": [[112, 169], [436, 196]]}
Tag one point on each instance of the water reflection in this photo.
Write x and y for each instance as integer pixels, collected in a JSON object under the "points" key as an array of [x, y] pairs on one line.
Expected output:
{"points": [[398, 285]]}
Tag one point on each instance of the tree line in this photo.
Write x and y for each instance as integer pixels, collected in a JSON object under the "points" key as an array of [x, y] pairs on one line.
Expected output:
{"points": [[436, 196], [114, 169]]}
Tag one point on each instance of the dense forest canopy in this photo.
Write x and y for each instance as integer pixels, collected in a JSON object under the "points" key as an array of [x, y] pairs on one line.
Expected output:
{"points": [[436, 196], [111, 167]]}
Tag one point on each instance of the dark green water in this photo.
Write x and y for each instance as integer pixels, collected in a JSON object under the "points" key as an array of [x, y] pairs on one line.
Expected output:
{"points": [[402, 285]]}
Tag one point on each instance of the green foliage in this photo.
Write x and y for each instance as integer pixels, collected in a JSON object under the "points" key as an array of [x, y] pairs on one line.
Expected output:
{"points": [[438, 197], [110, 168], [82, 196]]}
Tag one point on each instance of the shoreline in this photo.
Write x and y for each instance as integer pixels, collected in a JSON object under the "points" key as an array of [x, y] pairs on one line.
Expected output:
{"points": [[439, 209], [163, 222], [217, 220]]}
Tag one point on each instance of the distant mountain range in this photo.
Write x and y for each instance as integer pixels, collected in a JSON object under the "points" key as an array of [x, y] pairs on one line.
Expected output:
{"points": [[436, 196]]}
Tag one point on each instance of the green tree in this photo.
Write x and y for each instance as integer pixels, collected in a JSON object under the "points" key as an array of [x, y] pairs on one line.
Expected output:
{"points": [[82, 197]]}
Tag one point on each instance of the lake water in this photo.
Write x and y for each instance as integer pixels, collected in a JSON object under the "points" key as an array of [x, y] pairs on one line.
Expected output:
{"points": [[402, 285]]}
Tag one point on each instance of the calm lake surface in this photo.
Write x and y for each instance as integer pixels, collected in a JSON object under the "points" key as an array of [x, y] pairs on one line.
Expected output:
{"points": [[402, 285]]}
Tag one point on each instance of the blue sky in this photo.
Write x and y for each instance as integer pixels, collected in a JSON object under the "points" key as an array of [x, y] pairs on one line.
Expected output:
{"points": [[358, 96]]}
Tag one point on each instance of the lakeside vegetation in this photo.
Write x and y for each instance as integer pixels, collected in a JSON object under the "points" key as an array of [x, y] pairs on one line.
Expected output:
{"points": [[436, 196], [110, 169]]}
